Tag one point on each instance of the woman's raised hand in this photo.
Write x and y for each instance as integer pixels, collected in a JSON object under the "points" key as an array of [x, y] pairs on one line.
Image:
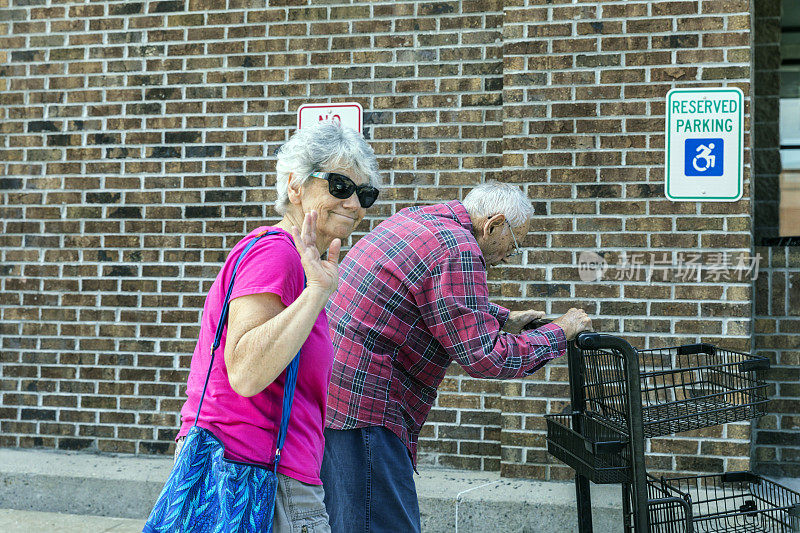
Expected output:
{"points": [[320, 273]]}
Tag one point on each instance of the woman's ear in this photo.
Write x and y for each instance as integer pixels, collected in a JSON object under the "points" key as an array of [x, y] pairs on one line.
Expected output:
{"points": [[293, 189]]}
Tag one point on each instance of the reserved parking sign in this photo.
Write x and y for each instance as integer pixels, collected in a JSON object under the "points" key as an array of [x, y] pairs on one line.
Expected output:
{"points": [[704, 144]]}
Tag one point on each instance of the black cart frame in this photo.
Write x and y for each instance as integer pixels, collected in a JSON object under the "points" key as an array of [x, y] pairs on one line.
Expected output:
{"points": [[620, 397], [634, 491]]}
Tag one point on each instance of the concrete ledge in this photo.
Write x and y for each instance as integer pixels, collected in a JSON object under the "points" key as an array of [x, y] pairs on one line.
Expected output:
{"points": [[465, 501], [450, 500], [78, 483]]}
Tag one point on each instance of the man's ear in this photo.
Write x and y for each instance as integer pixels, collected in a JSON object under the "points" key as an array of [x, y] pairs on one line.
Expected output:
{"points": [[493, 222], [485, 228], [293, 189]]}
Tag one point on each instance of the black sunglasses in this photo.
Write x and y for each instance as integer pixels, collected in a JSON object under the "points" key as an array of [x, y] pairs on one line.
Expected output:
{"points": [[342, 187]]}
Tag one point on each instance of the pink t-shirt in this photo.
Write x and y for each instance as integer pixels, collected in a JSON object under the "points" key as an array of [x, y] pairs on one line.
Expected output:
{"points": [[248, 427]]}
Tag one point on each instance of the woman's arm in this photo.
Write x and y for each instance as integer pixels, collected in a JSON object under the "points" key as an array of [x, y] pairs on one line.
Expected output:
{"points": [[263, 334]]}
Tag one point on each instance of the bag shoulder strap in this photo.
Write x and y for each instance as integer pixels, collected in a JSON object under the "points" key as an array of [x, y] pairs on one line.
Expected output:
{"points": [[291, 369]]}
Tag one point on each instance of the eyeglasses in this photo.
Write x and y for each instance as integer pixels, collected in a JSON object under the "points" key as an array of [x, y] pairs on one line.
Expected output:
{"points": [[342, 187], [516, 251]]}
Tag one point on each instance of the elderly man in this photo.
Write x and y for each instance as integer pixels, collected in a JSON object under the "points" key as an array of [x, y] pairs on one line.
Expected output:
{"points": [[412, 298]]}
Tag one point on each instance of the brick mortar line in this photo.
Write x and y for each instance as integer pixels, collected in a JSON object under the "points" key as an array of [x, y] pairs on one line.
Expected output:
{"points": [[512, 87], [534, 266], [217, 160], [194, 339], [218, 70], [237, 69], [486, 46], [378, 126], [245, 114], [286, 9], [511, 266], [329, 37], [229, 144]]}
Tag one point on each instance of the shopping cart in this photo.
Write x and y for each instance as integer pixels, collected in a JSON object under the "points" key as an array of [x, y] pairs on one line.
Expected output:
{"points": [[730, 502], [621, 396]]}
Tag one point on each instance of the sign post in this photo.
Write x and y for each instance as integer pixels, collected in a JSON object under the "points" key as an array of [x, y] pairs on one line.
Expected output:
{"points": [[704, 144], [348, 114]]}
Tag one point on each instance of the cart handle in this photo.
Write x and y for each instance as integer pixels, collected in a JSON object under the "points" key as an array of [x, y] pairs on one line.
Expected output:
{"points": [[739, 477], [589, 340], [757, 363], [536, 323], [692, 349]]}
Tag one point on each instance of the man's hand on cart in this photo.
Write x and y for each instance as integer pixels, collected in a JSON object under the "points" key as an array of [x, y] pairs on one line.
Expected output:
{"points": [[573, 322], [517, 320]]}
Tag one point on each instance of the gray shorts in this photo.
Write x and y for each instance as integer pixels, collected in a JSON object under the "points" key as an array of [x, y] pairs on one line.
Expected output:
{"points": [[299, 507]]}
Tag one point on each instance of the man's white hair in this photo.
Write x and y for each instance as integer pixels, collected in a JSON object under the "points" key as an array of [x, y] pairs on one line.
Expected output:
{"points": [[320, 147], [496, 198]]}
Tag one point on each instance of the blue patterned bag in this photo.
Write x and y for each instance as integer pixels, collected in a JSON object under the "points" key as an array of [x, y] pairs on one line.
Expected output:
{"points": [[206, 492]]}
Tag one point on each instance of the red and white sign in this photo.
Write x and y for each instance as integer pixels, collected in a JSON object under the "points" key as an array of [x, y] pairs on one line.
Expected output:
{"points": [[348, 114]]}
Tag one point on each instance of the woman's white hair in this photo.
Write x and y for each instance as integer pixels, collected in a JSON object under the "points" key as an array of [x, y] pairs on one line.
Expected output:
{"points": [[496, 198], [320, 147]]}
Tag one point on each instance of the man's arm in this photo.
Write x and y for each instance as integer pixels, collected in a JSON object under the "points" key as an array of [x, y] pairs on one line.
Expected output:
{"points": [[500, 313], [455, 307]]}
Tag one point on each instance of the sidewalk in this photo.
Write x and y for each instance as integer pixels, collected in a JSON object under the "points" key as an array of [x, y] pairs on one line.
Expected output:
{"points": [[69, 492], [14, 521], [95, 493]]}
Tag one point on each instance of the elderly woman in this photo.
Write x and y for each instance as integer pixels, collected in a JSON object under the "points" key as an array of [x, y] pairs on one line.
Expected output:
{"points": [[326, 179]]}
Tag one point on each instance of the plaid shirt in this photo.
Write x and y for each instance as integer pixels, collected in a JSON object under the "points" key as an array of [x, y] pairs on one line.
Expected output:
{"points": [[412, 298]]}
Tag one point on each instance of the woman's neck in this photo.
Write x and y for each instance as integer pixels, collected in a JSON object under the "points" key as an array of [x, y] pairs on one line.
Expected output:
{"points": [[295, 218]]}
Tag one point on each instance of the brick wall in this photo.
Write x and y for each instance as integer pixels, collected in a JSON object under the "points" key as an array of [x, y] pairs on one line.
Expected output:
{"points": [[766, 106], [138, 141], [777, 289], [777, 336], [137, 148], [584, 124]]}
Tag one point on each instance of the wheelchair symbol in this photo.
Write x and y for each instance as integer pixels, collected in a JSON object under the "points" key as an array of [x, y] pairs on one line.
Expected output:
{"points": [[704, 157], [704, 154]]}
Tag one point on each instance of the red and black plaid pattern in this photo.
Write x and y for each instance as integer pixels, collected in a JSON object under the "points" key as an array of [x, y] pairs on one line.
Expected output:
{"points": [[412, 298]]}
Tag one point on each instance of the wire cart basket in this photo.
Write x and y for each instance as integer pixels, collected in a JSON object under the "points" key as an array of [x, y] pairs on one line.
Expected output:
{"points": [[730, 502], [621, 396], [682, 388]]}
